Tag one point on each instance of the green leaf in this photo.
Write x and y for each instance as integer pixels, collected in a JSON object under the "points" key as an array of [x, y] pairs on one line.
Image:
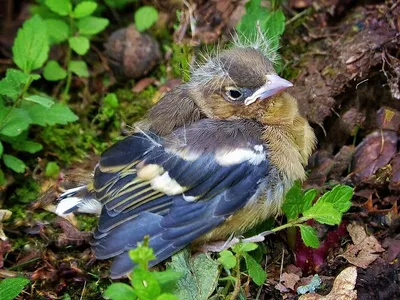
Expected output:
{"points": [[1, 149], [92, 25], [308, 198], [31, 47], [167, 297], [227, 259], [274, 26], [167, 279], [56, 114], [293, 205], [13, 121], [80, 44], [111, 100], [120, 291], [145, 285], [41, 100], [53, 71], [200, 275], [142, 255], [340, 197], [52, 169], [57, 31], [78, 67], [256, 272], [241, 248], [254, 12], [14, 163], [61, 7], [145, 17], [309, 235], [324, 213], [13, 83], [84, 9], [11, 287], [3, 180], [27, 146]]}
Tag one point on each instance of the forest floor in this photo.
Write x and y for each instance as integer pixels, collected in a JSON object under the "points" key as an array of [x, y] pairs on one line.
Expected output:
{"points": [[343, 57]]}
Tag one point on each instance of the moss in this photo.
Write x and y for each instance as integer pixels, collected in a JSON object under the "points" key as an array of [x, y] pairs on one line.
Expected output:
{"points": [[86, 222], [27, 191]]}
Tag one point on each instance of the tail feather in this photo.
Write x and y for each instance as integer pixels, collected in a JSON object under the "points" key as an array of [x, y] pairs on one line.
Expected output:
{"points": [[78, 199]]}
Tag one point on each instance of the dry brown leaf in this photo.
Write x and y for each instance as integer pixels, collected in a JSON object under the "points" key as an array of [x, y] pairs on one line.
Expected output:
{"points": [[343, 287], [365, 248], [289, 280]]}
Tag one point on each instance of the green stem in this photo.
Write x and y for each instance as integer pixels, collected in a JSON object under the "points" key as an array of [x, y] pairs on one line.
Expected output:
{"points": [[292, 223], [18, 100], [236, 290]]}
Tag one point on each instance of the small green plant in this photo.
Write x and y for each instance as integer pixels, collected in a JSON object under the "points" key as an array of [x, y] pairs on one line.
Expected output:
{"points": [[75, 25], [259, 20], [145, 284], [19, 109], [10, 288]]}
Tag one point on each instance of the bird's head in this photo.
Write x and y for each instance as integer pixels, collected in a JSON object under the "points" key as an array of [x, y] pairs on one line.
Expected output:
{"points": [[239, 83]]}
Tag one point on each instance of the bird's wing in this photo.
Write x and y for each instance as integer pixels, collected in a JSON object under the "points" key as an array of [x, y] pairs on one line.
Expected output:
{"points": [[173, 189]]}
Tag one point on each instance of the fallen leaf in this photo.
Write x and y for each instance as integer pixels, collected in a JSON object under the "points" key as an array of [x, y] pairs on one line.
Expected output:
{"points": [[4, 215], [388, 118], [373, 153], [289, 280], [343, 287], [142, 84], [364, 250]]}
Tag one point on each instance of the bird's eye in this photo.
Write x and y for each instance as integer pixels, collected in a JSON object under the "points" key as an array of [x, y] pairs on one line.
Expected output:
{"points": [[233, 94]]}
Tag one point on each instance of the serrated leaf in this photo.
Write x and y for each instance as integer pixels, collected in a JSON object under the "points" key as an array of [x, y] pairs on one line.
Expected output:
{"points": [[56, 114], [14, 163], [309, 236], [79, 68], [254, 12], [244, 247], [84, 9], [256, 273], [120, 291], [11, 287], [145, 17], [92, 25], [41, 100], [12, 84], [80, 44], [13, 121], [227, 259], [324, 213], [293, 204], [61, 7], [308, 198], [200, 275], [31, 46], [274, 26], [53, 71], [57, 30], [27, 146], [340, 197], [145, 285]]}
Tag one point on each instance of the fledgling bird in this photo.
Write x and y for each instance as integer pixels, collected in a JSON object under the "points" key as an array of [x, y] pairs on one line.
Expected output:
{"points": [[213, 158]]}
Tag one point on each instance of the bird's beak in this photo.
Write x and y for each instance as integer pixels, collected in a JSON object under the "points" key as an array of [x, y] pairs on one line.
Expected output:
{"points": [[274, 85]]}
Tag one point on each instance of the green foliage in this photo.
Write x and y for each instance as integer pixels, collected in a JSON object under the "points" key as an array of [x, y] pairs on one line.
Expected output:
{"points": [[75, 25], [328, 209], [144, 284], [52, 169], [20, 109], [259, 22], [145, 17], [12, 287]]}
